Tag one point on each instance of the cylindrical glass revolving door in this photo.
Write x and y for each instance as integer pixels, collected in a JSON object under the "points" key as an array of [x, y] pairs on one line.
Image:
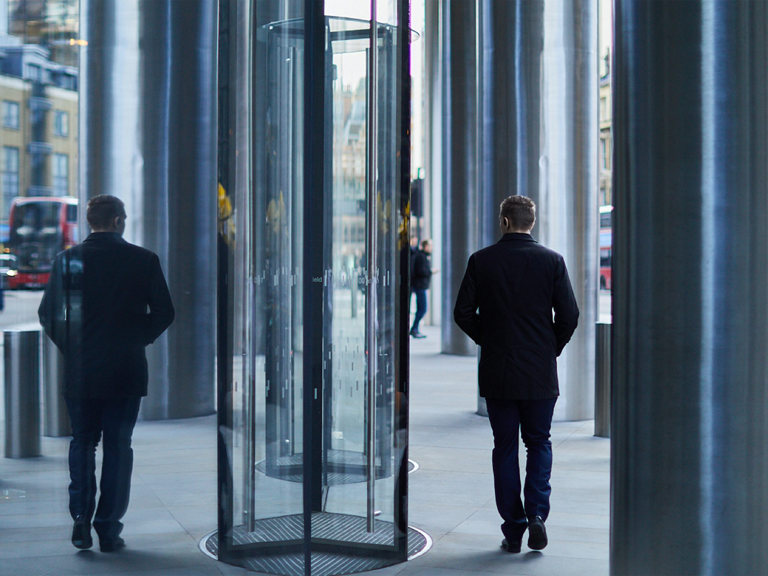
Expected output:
{"points": [[313, 396]]}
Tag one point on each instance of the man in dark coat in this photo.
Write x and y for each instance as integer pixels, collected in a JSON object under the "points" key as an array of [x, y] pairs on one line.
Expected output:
{"points": [[105, 302], [505, 304], [421, 274]]}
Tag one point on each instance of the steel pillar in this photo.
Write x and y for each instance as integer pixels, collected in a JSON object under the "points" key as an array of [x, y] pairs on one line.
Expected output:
{"points": [[459, 161], [690, 370], [537, 122], [148, 135]]}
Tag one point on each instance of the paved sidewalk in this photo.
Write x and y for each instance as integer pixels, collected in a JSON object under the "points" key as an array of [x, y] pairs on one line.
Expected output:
{"points": [[173, 502]]}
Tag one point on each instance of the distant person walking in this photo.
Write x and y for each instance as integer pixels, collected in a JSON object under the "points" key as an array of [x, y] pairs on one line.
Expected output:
{"points": [[505, 304], [105, 302], [421, 276]]}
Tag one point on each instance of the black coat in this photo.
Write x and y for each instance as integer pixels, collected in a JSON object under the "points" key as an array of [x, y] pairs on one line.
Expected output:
{"points": [[106, 300], [421, 270], [505, 305]]}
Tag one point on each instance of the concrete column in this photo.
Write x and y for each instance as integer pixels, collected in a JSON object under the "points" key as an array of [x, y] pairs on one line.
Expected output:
{"points": [[148, 135], [538, 137], [690, 373], [459, 161]]}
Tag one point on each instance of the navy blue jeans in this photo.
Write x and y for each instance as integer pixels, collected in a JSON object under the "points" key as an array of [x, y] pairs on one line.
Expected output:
{"points": [[94, 419], [532, 419], [421, 308]]}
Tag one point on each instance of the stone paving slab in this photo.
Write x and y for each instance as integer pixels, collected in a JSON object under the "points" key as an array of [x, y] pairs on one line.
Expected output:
{"points": [[451, 494]]}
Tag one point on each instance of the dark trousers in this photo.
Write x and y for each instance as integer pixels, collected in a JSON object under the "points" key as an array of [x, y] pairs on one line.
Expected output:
{"points": [[533, 420], [114, 420], [421, 308]]}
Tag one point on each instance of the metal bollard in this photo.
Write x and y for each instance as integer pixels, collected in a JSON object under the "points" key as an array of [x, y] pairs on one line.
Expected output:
{"points": [[56, 422], [22, 393], [603, 380]]}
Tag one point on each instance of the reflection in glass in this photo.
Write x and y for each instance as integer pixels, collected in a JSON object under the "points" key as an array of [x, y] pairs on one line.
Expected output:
{"points": [[316, 455], [39, 83]]}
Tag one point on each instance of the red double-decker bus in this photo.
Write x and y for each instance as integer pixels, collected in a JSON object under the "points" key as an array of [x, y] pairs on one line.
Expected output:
{"points": [[606, 246], [39, 228]]}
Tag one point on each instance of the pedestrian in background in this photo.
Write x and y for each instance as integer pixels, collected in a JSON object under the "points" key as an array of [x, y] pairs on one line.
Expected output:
{"points": [[105, 302], [421, 275], [505, 304]]}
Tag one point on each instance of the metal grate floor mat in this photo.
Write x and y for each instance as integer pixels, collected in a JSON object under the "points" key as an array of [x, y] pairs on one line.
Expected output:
{"points": [[326, 526]]}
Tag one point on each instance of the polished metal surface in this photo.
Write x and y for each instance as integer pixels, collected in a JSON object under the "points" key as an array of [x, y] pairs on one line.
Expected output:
{"points": [[148, 135], [21, 349], [537, 123], [458, 161], [371, 251], [56, 420], [690, 371], [603, 380], [431, 191]]}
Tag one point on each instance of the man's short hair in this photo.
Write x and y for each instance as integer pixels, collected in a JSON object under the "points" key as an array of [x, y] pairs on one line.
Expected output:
{"points": [[519, 210], [102, 211]]}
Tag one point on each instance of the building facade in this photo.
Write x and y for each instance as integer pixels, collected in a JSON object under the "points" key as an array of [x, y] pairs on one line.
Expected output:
{"points": [[38, 124]]}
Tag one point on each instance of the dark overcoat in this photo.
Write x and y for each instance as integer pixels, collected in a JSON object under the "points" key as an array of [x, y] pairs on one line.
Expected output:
{"points": [[105, 302], [505, 304], [421, 270]]}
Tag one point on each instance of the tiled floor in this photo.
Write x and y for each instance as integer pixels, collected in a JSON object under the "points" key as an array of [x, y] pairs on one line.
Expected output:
{"points": [[173, 502]]}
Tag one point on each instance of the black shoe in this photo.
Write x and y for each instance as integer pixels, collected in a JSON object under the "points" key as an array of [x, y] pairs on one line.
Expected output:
{"points": [[112, 545], [81, 533], [511, 547], [537, 534], [417, 334]]}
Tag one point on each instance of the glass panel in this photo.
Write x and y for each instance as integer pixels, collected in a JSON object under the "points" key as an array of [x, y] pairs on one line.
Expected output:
{"points": [[281, 379], [353, 440]]}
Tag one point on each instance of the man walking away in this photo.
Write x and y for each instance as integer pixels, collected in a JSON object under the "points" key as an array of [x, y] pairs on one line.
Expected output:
{"points": [[420, 278], [505, 304], [105, 302]]}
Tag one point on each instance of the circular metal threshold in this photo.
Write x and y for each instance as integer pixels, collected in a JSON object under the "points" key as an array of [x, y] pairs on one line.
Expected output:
{"points": [[327, 526]]}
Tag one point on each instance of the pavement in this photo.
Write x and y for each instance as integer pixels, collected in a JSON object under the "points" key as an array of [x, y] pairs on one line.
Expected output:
{"points": [[173, 503]]}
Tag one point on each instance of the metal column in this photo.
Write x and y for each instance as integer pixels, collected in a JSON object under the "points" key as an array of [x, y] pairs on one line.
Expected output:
{"points": [[148, 135], [21, 349], [537, 119], [690, 371], [56, 421], [459, 161]]}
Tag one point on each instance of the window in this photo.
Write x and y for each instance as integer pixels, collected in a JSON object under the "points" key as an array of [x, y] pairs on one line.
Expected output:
{"points": [[9, 178], [11, 114], [61, 123], [604, 109], [605, 154], [68, 81], [34, 73], [60, 174]]}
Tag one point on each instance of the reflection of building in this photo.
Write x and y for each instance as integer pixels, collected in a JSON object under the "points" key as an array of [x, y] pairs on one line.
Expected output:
{"points": [[606, 135], [38, 124], [50, 23], [349, 170]]}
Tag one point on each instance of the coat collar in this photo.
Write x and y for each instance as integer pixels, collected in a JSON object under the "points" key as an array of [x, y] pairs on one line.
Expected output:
{"points": [[105, 237], [517, 236]]}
